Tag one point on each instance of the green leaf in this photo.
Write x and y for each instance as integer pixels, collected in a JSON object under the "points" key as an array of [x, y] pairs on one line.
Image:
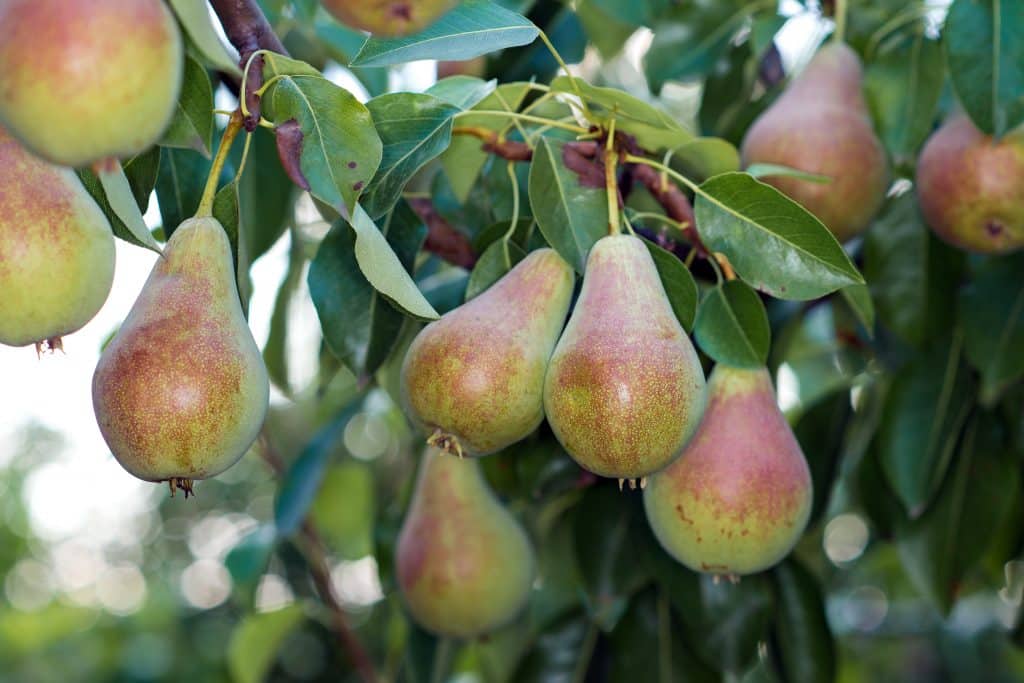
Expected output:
{"points": [[972, 507], [821, 430], [571, 216], [773, 243], [464, 92], [606, 33], [731, 621], [340, 150], [266, 194], [653, 128], [912, 274], [499, 258], [678, 282], [464, 159], [414, 128], [275, 351], [225, 210], [341, 43], [344, 508], [559, 651], [359, 326], [384, 270], [689, 40], [633, 12], [474, 28], [122, 202], [858, 298], [764, 170], [926, 407], [806, 647], [992, 315], [303, 479], [902, 85], [194, 15], [984, 41], [705, 157], [255, 641], [247, 561], [732, 326], [179, 185], [141, 172], [192, 124]]}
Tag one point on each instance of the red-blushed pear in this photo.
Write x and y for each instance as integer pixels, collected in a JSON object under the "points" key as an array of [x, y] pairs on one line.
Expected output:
{"points": [[181, 391], [971, 187], [82, 81], [738, 498], [464, 565], [624, 390], [56, 250], [474, 379], [821, 125], [389, 18]]}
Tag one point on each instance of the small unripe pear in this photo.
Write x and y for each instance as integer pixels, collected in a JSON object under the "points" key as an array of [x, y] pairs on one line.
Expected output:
{"points": [[464, 564], [821, 125], [84, 81], [181, 391], [738, 498], [388, 18], [625, 389], [475, 378], [971, 187], [56, 249]]}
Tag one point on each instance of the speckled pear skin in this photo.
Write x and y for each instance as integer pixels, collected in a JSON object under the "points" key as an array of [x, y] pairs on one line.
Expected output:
{"points": [[624, 390], [84, 81], [477, 374], [821, 125], [56, 249], [181, 391], [464, 564], [739, 497], [389, 18], [971, 187]]}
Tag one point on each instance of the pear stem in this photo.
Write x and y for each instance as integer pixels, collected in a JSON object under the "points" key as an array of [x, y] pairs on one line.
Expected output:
{"points": [[840, 19], [611, 160], [210, 191]]}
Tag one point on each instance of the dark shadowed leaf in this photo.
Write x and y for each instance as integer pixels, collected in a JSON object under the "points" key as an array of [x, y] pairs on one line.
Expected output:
{"points": [[499, 258], [179, 185], [678, 282], [803, 641], [192, 124], [732, 326]]}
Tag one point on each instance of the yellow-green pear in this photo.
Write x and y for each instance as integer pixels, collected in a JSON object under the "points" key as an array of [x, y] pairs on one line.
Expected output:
{"points": [[56, 250], [475, 378], [971, 187], [181, 391], [388, 18], [84, 80], [464, 564], [738, 498], [821, 125], [624, 390]]}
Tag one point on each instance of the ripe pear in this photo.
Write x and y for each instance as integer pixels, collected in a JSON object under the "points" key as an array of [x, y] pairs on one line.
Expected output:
{"points": [[388, 18], [464, 564], [475, 378], [56, 249], [738, 498], [971, 187], [624, 390], [181, 391], [85, 81], [821, 125]]}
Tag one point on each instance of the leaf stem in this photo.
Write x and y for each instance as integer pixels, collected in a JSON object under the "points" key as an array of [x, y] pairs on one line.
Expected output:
{"points": [[206, 203], [525, 117], [572, 79], [640, 215], [511, 167]]}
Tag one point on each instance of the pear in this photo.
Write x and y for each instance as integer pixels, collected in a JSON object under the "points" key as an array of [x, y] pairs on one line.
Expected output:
{"points": [[181, 391], [388, 18], [475, 378], [821, 125], [56, 250], [624, 390], [86, 81], [971, 187], [738, 498], [464, 564]]}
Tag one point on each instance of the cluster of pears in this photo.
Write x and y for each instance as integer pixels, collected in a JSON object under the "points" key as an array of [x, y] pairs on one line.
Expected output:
{"points": [[181, 391], [389, 18], [624, 392]]}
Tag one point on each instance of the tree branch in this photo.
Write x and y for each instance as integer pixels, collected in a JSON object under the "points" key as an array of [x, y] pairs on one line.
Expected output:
{"points": [[248, 30], [676, 204], [442, 239]]}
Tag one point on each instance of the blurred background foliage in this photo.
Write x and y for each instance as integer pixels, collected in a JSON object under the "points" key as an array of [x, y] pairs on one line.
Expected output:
{"points": [[907, 571]]}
